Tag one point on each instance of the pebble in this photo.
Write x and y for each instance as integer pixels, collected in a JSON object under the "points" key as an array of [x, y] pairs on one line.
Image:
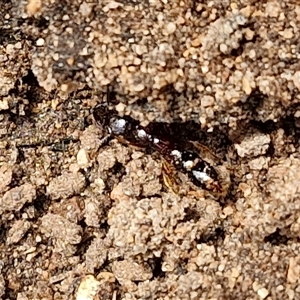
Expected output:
{"points": [[139, 87], [207, 101], [223, 48], [196, 42], [287, 33], [111, 5], [262, 293], [249, 34], [33, 7], [88, 288], [273, 9], [293, 270], [82, 158], [170, 28], [246, 86], [40, 42], [296, 79], [4, 104]]}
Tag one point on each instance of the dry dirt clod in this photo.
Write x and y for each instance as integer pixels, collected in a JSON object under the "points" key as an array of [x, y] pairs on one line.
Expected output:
{"points": [[17, 231], [254, 145], [66, 185], [6, 173], [14, 199], [127, 272], [64, 233]]}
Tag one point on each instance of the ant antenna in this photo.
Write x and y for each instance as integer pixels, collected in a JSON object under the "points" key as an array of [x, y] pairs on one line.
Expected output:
{"points": [[107, 94]]}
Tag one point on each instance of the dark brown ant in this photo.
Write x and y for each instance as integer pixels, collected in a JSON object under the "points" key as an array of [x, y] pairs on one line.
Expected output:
{"points": [[176, 156]]}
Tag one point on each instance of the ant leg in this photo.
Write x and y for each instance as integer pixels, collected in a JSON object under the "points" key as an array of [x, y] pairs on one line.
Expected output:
{"points": [[205, 151], [169, 175], [104, 141]]}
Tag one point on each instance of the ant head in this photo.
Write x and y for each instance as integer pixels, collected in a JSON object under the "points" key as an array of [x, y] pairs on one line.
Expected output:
{"points": [[102, 115], [108, 119], [102, 112]]}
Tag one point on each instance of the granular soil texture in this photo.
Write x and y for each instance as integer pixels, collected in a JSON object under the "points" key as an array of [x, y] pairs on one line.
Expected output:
{"points": [[84, 219]]}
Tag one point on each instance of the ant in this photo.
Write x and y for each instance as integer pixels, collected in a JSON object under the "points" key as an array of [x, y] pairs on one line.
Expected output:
{"points": [[176, 156]]}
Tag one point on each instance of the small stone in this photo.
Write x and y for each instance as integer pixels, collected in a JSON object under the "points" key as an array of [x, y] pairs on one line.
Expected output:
{"points": [[252, 54], [246, 11], [249, 34], [246, 86], [141, 49], [245, 188], [85, 9], [235, 273], [196, 42], [293, 270], [228, 211], [171, 28], [100, 185], [139, 87], [273, 9], [112, 5], [207, 101], [262, 293], [223, 48], [88, 288], [256, 286], [4, 104], [287, 33], [296, 79], [100, 60], [137, 61], [40, 42], [159, 82], [221, 267], [118, 194], [33, 7], [120, 108], [105, 81], [82, 158], [297, 114], [38, 238], [204, 69], [64, 87]]}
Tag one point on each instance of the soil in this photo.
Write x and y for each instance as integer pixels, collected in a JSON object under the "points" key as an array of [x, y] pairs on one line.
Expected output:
{"points": [[84, 219]]}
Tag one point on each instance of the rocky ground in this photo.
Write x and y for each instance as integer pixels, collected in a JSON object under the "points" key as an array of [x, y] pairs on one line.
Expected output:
{"points": [[85, 220]]}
